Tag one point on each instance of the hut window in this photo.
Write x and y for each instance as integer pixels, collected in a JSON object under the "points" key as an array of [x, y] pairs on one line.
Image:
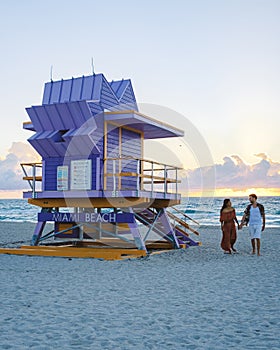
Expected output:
{"points": [[58, 137]]}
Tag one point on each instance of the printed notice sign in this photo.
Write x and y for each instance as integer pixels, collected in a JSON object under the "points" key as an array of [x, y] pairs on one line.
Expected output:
{"points": [[62, 178], [81, 174]]}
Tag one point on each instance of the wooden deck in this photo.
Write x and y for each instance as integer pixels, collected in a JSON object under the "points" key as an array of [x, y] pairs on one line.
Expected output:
{"points": [[119, 202]]}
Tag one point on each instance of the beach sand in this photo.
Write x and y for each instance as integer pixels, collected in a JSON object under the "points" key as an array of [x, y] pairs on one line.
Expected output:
{"points": [[198, 298]]}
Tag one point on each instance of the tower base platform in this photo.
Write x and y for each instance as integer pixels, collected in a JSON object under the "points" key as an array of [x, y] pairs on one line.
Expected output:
{"points": [[81, 249]]}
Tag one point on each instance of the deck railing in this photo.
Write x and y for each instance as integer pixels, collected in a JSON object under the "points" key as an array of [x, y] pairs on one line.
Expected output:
{"points": [[122, 173], [147, 175], [33, 173]]}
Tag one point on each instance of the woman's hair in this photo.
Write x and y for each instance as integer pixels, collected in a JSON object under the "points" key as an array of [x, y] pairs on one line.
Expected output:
{"points": [[225, 204]]}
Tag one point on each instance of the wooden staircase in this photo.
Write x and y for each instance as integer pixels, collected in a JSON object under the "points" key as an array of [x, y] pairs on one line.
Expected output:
{"points": [[151, 219]]}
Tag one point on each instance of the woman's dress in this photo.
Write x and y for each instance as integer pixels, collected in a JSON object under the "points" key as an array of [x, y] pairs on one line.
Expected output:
{"points": [[229, 230]]}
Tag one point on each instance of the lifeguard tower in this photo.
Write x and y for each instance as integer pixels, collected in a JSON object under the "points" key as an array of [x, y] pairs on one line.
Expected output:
{"points": [[94, 184]]}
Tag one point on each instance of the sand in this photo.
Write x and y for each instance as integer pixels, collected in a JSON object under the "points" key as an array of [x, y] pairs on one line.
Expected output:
{"points": [[197, 298]]}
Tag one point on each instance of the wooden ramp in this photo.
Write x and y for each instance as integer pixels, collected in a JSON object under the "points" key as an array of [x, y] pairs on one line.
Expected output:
{"points": [[76, 252]]}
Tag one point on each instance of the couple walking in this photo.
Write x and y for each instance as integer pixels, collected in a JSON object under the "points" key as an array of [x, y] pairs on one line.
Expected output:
{"points": [[253, 215]]}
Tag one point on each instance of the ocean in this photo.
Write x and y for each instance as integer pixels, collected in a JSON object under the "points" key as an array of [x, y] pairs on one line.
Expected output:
{"points": [[207, 210], [204, 210]]}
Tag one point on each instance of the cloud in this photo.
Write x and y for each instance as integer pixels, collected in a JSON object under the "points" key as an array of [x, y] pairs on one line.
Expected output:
{"points": [[232, 173], [235, 174], [10, 170]]}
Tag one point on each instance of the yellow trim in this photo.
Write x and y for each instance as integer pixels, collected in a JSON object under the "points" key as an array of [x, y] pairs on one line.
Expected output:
{"points": [[158, 179], [75, 252], [105, 157], [30, 178], [125, 127], [141, 163], [37, 164], [145, 116], [120, 153], [109, 202], [122, 174]]}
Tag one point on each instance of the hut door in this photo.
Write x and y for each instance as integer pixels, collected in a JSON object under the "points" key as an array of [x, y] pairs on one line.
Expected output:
{"points": [[123, 154], [131, 153]]}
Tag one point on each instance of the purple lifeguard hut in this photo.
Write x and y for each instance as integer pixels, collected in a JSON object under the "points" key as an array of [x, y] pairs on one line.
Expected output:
{"points": [[96, 187]]}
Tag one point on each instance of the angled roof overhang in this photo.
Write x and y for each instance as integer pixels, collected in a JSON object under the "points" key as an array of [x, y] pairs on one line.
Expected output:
{"points": [[151, 128], [58, 116]]}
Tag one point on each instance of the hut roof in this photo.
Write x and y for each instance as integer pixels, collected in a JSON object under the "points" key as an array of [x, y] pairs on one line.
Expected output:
{"points": [[109, 95]]}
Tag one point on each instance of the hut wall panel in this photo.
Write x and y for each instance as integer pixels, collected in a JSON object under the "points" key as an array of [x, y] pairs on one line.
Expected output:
{"points": [[127, 97], [112, 152], [118, 87], [50, 171], [108, 97], [98, 134], [94, 108]]}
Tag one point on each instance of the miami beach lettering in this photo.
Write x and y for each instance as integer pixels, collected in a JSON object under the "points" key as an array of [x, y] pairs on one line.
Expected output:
{"points": [[106, 217], [84, 217], [110, 217]]}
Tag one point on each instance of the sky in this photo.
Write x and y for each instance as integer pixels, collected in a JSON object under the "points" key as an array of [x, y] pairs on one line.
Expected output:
{"points": [[214, 63]]}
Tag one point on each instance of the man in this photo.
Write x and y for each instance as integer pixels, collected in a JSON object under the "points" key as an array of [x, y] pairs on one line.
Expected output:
{"points": [[254, 216]]}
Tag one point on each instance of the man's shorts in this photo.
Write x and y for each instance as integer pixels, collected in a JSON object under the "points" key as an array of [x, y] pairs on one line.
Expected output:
{"points": [[255, 231]]}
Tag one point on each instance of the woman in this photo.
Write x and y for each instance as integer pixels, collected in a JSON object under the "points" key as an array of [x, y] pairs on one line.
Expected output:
{"points": [[228, 219]]}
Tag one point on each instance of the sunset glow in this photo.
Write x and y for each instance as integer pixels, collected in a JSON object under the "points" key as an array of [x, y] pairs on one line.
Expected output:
{"points": [[223, 192], [11, 194], [229, 192], [262, 192]]}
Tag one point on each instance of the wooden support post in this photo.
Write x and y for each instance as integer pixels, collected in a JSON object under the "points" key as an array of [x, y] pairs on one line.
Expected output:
{"points": [[114, 175], [33, 181]]}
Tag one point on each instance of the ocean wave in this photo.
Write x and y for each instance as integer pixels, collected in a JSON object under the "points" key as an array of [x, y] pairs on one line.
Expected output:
{"points": [[204, 210]]}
